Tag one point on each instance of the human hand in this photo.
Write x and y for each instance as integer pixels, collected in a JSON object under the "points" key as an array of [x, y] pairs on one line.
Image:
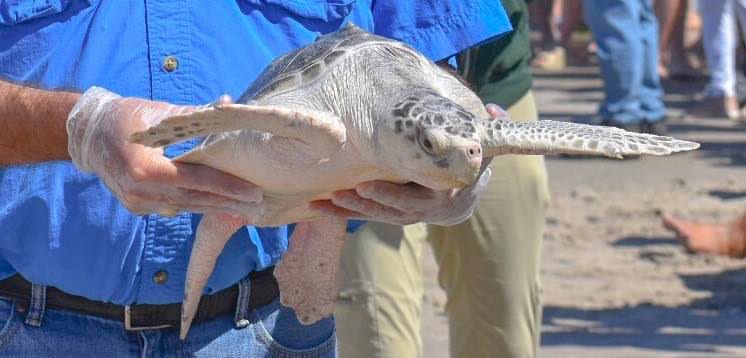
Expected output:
{"points": [[142, 178], [404, 204], [410, 203]]}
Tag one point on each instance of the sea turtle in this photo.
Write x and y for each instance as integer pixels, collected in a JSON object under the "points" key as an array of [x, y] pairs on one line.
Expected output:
{"points": [[353, 107]]}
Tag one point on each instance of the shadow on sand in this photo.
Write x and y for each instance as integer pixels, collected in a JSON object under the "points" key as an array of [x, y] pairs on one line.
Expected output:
{"points": [[706, 325], [709, 324]]}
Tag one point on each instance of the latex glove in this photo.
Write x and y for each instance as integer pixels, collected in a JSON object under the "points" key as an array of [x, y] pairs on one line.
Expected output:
{"points": [[404, 204], [142, 178]]}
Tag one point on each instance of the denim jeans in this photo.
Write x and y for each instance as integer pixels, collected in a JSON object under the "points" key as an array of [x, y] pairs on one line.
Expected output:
{"points": [[272, 330], [720, 39], [626, 32]]}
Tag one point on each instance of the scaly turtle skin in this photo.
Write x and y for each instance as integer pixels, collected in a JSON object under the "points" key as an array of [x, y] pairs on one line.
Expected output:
{"points": [[349, 108]]}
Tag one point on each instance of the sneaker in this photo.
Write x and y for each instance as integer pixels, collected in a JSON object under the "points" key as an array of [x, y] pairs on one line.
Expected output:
{"points": [[716, 107]]}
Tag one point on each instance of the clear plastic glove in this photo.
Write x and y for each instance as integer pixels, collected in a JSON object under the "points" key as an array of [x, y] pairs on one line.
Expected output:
{"points": [[404, 204], [142, 178]]}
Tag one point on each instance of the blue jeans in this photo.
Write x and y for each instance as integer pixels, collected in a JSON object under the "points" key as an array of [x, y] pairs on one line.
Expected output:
{"points": [[268, 331], [626, 32]]}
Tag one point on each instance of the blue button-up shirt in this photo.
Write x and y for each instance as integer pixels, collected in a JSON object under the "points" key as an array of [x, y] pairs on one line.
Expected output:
{"points": [[64, 228]]}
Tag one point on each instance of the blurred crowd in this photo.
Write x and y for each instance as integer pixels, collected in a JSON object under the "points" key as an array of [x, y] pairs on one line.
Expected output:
{"points": [[638, 44]]}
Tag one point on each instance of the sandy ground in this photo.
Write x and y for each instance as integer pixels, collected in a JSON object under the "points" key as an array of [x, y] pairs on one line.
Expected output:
{"points": [[615, 283]]}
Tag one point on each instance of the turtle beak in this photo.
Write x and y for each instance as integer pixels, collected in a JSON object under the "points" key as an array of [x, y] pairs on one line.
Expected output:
{"points": [[464, 162]]}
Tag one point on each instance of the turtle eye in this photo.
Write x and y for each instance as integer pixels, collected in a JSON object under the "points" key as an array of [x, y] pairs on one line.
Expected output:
{"points": [[430, 143], [427, 145]]}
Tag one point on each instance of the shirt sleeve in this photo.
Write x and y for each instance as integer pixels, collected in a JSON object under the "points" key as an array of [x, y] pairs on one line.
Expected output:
{"points": [[440, 28], [354, 225]]}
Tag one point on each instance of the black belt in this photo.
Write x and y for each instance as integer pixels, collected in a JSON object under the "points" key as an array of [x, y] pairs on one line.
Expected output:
{"points": [[264, 290]]}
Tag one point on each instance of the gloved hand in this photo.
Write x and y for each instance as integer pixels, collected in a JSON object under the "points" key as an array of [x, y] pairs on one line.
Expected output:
{"points": [[142, 178], [404, 204]]}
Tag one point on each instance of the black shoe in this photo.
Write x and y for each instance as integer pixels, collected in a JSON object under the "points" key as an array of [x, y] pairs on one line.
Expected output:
{"points": [[656, 128], [629, 127]]}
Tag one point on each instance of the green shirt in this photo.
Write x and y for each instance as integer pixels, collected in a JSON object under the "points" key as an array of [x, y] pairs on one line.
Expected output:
{"points": [[499, 70]]}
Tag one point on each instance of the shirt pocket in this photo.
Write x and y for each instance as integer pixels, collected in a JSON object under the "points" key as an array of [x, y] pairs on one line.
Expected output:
{"points": [[14, 12], [324, 10]]}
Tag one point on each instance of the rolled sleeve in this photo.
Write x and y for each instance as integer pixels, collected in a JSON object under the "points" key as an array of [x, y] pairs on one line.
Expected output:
{"points": [[440, 29]]}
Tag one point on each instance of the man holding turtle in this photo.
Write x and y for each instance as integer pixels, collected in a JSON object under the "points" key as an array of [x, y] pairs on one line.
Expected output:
{"points": [[94, 250]]}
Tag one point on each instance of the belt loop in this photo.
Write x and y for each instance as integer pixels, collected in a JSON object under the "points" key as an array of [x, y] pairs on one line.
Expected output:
{"points": [[37, 305], [242, 304]]}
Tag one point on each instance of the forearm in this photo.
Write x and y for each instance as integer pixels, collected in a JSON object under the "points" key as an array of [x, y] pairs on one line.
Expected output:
{"points": [[32, 124]]}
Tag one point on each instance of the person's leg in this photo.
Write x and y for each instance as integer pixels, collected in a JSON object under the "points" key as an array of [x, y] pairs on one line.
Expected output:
{"points": [[572, 14], [540, 16], [719, 39], [570, 18], [739, 9], [665, 11], [549, 56], [679, 64], [489, 265], [616, 27], [378, 314], [671, 14], [651, 90], [718, 32]]}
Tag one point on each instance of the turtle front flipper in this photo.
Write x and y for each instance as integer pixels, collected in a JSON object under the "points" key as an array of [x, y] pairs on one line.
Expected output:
{"points": [[555, 137], [324, 131], [308, 274]]}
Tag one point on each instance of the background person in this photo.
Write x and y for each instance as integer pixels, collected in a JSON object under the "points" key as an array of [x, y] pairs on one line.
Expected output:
{"points": [[488, 265], [673, 58], [720, 40], [626, 33], [555, 21]]}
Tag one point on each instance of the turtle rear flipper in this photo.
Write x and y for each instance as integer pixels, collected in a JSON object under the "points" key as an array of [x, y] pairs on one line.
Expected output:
{"points": [[213, 233], [308, 274], [556, 137], [322, 130]]}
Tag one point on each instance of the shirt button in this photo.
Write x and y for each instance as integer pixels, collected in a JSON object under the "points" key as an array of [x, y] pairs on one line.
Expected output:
{"points": [[160, 277], [243, 323], [170, 63]]}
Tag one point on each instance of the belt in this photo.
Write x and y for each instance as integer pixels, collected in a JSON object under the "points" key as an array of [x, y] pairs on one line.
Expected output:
{"points": [[264, 290]]}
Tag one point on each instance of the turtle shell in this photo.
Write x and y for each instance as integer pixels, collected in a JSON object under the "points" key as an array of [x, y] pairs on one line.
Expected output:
{"points": [[306, 64]]}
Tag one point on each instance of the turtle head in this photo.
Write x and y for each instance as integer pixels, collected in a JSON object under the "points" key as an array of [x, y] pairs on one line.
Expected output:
{"points": [[433, 140]]}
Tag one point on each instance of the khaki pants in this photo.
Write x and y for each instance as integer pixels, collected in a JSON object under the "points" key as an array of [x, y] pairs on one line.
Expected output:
{"points": [[488, 266]]}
